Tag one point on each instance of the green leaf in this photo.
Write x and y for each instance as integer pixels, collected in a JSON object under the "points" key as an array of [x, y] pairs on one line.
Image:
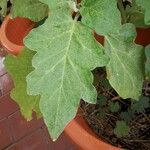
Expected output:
{"points": [[55, 4], [3, 8], [135, 15], [147, 64], [121, 129], [125, 68], [127, 115], [58, 4], [19, 67], [141, 105], [114, 106], [32, 9], [145, 4], [66, 52], [101, 100], [101, 15], [105, 83], [101, 113]]}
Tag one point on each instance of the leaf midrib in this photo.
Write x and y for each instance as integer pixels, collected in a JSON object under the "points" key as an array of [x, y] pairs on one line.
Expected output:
{"points": [[63, 73]]}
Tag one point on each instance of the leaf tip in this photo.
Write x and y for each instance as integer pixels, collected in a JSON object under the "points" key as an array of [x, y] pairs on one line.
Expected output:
{"points": [[54, 140]]}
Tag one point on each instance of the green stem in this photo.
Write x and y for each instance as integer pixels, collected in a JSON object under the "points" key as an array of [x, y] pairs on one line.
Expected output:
{"points": [[121, 8], [77, 16]]}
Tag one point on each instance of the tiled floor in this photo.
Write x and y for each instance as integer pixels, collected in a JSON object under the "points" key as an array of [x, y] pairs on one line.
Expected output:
{"points": [[18, 134]]}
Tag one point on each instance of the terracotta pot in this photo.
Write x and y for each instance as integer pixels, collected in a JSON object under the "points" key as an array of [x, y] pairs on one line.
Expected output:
{"points": [[12, 33], [143, 36], [99, 38], [82, 135]]}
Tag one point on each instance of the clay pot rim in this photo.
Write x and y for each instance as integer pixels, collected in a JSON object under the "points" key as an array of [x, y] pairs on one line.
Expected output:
{"points": [[9, 46], [83, 136]]}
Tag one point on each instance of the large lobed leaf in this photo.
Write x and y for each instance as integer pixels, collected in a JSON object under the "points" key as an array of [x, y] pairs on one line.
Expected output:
{"points": [[66, 54], [19, 67], [101, 15], [145, 4], [32, 9], [125, 70]]}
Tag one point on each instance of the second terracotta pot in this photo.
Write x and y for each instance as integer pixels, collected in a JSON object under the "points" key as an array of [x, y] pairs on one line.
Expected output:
{"points": [[12, 33]]}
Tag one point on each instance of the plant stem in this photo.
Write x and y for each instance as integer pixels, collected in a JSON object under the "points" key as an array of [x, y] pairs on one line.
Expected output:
{"points": [[77, 16], [121, 8]]}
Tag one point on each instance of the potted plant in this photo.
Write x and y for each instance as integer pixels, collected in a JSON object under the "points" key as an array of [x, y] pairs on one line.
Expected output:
{"points": [[54, 70]]}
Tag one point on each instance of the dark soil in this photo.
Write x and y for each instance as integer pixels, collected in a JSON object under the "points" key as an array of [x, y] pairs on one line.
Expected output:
{"points": [[103, 121]]}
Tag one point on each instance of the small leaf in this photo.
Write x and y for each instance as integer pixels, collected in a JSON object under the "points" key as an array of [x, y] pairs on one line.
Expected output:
{"points": [[101, 15], [121, 129], [32, 9], [114, 107], [127, 116], [105, 83], [145, 4], [147, 64], [125, 68], [19, 67], [66, 54], [101, 100], [101, 113], [141, 105]]}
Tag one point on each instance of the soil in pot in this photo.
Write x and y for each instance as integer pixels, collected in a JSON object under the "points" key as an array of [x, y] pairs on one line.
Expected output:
{"points": [[111, 110]]}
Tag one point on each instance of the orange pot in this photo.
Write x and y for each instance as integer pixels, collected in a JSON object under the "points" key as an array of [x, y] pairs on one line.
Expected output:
{"points": [[143, 36], [12, 33], [85, 139]]}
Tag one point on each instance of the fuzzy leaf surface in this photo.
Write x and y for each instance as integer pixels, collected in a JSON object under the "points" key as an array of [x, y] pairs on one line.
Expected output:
{"points": [[145, 4], [3, 8], [66, 54], [19, 67], [32, 9], [101, 15], [54, 4], [125, 68]]}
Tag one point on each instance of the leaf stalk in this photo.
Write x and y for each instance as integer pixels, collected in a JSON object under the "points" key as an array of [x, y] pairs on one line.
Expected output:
{"points": [[122, 11]]}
